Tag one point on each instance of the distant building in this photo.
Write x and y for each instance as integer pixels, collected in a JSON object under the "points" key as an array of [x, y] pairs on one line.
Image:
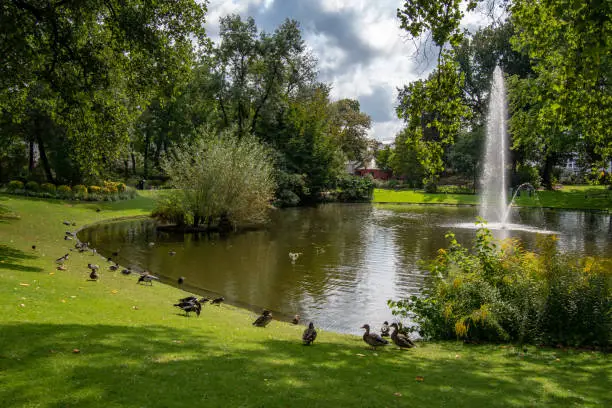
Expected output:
{"points": [[369, 167]]}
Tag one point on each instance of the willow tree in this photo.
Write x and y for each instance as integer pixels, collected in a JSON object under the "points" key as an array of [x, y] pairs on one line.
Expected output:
{"points": [[222, 180]]}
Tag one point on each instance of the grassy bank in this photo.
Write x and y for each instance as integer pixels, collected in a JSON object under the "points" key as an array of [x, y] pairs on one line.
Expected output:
{"points": [[568, 197], [135, 350]]}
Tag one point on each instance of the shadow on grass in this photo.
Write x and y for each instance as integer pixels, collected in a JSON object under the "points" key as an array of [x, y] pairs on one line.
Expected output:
{"points": [[11, 259], [160, 366]]}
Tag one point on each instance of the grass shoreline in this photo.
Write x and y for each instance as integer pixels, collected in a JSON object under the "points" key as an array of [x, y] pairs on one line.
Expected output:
{"points": [[575, 198], [66, 341]]}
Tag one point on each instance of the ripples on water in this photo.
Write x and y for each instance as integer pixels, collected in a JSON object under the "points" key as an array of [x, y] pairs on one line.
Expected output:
{"points": [[353, 258]]}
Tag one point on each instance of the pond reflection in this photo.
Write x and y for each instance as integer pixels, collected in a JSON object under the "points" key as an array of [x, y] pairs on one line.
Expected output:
{"points": [[352, 258]]}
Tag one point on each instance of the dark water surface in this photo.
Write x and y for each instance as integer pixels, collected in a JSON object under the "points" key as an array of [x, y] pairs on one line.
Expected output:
{"points": [[352, 257]]}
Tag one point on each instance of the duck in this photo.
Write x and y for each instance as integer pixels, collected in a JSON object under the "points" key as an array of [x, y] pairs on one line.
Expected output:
{"points": [[171, 253], [217, 301], [66, 222], [264, 319], [93, 267], [189, 304], [34, 247], [181, 280], [400, 339], [67, 238], [310, 334], [204, 300], [94, 275], [114, 267], [116, 253], [384, 330], [373, 339], [62, 259], [296, 319], [189, 299], [146, 277], [126, 271]]}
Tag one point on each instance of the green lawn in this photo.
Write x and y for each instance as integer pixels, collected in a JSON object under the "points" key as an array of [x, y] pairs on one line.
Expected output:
{"points": [[569, 197], [135, 350]]}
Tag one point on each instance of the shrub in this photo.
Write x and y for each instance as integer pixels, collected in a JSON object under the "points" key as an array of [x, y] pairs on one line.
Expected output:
{"points": [[64, 191], [500, 292], [431, 187], [80, 191], [171, 210], [106, 191], [94, 190], [48, 188], [355, 188], [32, 186], [14, 186]]}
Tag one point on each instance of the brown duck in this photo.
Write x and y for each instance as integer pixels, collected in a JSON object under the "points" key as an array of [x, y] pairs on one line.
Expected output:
{"points": [[400, 339], [264, 319], [310, 334], [373, 339]]}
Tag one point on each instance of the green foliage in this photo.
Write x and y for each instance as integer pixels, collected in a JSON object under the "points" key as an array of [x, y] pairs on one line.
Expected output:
{"points": [[32, 186], [355, 188], [567, 105], [94, 189], [48, 188], [64, 191], [223, 178], [14, 185], [433, 111], [527, 174], [500, 292], [170, 209]]}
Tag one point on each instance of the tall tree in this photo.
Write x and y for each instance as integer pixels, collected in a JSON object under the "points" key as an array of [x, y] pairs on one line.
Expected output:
{"points": [[568, 103], [350, 127], [90, 67]]}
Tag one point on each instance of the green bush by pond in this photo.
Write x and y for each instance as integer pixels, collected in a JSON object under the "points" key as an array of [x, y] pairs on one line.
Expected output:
{"points": [[112, 191], [499, 292]]}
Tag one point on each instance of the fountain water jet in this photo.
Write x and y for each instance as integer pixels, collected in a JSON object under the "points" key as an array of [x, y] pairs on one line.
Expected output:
{"points": [[493, 183]]}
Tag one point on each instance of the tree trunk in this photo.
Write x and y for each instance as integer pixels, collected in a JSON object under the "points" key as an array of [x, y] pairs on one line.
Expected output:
{"points": [[45, 161], [31, 158], [126, 166], [133, 163], [547, 172], [146, 156]]}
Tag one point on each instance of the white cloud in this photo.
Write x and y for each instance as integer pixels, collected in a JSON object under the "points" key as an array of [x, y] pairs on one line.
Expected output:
{"points": [[359, 45]]}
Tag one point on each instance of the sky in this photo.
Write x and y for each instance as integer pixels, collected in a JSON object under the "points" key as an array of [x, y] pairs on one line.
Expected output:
{"points": [[361, 50]]}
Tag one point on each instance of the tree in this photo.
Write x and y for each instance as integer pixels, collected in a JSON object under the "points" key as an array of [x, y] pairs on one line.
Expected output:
{"points": [[433, 111], [350, 126], [465, 156], [567, 105], [223, 180], [404, 160], [89, 68]]}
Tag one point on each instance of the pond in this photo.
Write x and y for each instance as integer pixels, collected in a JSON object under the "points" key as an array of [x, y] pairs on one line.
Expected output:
{"points": [[352, 257]]}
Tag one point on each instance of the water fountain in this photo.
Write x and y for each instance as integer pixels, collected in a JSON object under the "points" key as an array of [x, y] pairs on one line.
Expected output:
{"points": [[493, 199], [494, 205]]}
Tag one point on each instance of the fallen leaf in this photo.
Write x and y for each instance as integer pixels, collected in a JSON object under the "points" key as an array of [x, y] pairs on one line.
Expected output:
{"points": [[73, 297], [76, 351], [24, 284], [51, 273], [135, 307], [361, 355], [63, 300], [114, 291], [22, 305], [420, 378], [397, 394]]}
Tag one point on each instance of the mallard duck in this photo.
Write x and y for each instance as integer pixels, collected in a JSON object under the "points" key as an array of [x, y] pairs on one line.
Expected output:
{"points": [[264, 319], [384, 330], [296, 319], [310, 334], [66, 222], [114, 267], [62, 259], [67, 238], [126, 271], [217, 301], [94, 275], [190, 305], [146, 277], [181, 280], [93, 267], [204, 300], [373, 339], [400, 339], [188, 299]]}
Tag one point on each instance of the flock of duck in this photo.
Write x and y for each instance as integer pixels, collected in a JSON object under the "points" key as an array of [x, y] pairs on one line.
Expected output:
{"points": [[191, 304]]}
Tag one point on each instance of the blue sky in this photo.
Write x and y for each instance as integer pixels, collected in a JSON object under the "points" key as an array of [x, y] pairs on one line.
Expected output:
{"points": [[362, 52]]}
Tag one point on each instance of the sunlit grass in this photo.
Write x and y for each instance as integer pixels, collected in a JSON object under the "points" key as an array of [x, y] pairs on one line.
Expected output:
{"points": [[135, 349], [569, 197]]}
